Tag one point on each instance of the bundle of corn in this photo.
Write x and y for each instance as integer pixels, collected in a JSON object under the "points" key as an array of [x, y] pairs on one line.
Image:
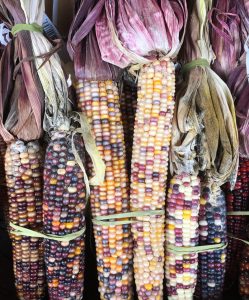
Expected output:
{"points": [[204, 134], [182, 231], [20, 123], [23, 165], [150, 35], [212, 226], [98, 98], [237, 201], [64, 173]]}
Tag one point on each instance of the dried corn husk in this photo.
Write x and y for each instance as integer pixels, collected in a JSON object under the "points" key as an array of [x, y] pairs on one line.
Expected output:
{"points": [[66, 211], [226, 36], [205, 115], [21, 106], [239, 86], [88, 64], [137, 32], [229, 37]]}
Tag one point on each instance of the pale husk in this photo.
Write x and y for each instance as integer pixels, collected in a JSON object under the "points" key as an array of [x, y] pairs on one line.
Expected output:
{"points": [[204, 126]]}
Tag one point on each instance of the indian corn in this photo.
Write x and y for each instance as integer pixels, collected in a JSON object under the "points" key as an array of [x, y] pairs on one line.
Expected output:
{"points": [[128, 103], [182, 231], [99, 100], [212, 227], [152, 134], [23, 166], [64, 203], [244, 273], [237, 200]]}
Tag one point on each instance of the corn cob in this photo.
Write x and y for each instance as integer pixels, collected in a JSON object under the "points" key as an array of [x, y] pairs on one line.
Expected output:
{"points": [[182, 231], [128, 102], [244, 273], [3, 190], [152, 134], [64, 213], [237, 200], [99, 100], [24, 186], [212, 226]]}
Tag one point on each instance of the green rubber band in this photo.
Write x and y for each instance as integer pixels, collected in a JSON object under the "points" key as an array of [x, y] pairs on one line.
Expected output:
{"points": [[19, 230], [34, 27], [238, 213], [196, 249], [113, 223], [105, 220], [235, 238], [200, 62]]}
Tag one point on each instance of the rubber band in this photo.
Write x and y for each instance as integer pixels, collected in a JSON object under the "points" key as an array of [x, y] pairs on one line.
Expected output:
{"points": [[106, 220], [34, 27], [19, 230], [200, 62], [238, 213], [195, 249]]}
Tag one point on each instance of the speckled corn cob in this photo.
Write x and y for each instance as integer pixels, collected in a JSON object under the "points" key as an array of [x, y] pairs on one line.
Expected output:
{"points": [[99, 100], [244, 273], [128, 103], [182, 231], [236, 200], [64, 213], [152, 134], [24, 185], [3, 188], [212, 226]]}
